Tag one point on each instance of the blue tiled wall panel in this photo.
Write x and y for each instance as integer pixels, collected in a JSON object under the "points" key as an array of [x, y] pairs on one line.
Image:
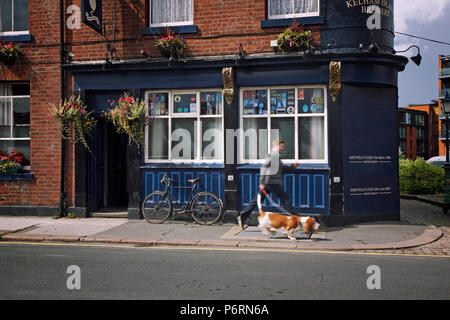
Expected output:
{"points": [[308, 191]]}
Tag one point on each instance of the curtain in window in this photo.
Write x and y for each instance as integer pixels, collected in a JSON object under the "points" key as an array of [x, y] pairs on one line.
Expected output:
{"points": [[255, 138], [5, 111], [285, 7], [158, 148], [166, 11], [211, 138], [284, 128]]}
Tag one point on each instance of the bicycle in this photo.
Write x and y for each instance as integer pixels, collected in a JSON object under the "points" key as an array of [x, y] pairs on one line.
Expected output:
{"points": [[205, 207]]}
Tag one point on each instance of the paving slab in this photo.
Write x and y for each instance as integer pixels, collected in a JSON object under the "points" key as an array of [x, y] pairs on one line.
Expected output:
{"points": [[14, 224], [76, 226]]}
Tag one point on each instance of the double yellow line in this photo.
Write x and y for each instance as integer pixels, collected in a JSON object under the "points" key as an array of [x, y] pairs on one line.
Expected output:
{"points": [[190, 248]]}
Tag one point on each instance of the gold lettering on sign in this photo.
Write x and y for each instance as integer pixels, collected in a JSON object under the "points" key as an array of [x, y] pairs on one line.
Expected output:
{"points": [[385, 5]]}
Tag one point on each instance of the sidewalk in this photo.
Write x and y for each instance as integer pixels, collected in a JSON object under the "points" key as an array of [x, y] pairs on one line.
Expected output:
{"points": [[411, 232]]}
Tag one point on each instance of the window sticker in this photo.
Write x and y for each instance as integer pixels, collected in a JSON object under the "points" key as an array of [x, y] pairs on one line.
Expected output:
{"points": [[182, 103], [255, 102], [211, 103], [158, 104]]}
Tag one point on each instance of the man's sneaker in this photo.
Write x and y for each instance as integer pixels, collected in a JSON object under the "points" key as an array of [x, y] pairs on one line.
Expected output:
{"points": [[239, 220]]}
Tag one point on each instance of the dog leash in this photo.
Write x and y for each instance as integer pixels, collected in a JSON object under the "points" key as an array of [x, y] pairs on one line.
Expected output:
{"points": [[272, 203]]}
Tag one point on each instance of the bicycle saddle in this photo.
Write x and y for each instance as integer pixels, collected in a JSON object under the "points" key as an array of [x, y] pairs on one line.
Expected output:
{"points": [[193, 180]]}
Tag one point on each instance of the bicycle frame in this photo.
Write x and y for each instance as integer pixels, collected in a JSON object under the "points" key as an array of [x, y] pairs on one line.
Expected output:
{"points": [[167, 193]]}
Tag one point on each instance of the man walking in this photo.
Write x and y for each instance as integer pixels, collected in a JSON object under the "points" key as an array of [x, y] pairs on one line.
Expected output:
{"points": [[270, 181]]}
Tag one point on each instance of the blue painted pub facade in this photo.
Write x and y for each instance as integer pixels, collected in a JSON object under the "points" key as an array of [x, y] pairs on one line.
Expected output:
{"points": [[336, 108]]}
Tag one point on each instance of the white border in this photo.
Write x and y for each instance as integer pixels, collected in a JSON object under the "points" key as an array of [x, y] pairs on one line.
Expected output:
{"points": [[11, 138]]}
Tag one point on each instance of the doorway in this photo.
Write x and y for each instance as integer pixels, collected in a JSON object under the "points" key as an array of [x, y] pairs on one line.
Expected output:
{"points": [[107, 172]]}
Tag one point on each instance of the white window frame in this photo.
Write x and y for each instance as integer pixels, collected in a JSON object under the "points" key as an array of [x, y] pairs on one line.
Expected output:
{"points": [[169, 24], [295, 115], [193, 115], [11, 138], [12, 32], [292, 15]]}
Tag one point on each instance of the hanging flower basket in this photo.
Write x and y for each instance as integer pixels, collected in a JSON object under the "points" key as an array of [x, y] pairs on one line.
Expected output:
{"points": [[9, 52], [295, 38], [129, 115], [170, 44], [73, 120]]}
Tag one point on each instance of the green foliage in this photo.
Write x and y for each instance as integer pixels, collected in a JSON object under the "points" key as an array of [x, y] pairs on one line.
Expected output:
{"points": [[9, 52], [294, 38], [129, 115], [73, 120], [420, 177], [170, 44]]}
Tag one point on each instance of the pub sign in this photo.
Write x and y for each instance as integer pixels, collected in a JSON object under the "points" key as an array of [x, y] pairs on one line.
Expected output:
{"points": [[92, 14]]}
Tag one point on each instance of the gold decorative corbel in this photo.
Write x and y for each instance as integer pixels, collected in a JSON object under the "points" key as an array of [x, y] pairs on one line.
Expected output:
{"points": [[335, 79], [228, 84]]}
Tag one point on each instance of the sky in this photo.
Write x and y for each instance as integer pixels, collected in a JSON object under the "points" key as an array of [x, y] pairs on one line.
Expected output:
{"points": [[428, 19]]}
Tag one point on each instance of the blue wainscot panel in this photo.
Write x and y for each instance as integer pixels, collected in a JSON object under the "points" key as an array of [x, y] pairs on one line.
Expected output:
{"points": [[308, 189], [211, 179]]}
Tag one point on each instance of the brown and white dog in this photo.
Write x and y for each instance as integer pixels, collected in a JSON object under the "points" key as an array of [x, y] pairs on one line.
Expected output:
{"points": [[271, 222]]}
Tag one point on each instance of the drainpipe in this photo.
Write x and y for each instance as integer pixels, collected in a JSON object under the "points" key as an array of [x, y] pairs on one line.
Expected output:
{"points": [[63, 97]]}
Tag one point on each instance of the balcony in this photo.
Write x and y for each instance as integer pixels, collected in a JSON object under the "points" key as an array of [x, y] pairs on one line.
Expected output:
{"points": [[444, 73], [443, 92]]}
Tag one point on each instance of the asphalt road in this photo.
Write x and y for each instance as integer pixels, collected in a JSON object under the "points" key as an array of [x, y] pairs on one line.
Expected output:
{"points": [[36, 271]]}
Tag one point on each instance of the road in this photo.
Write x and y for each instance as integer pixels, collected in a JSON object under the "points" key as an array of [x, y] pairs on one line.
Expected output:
{"points": [[40, 271]]}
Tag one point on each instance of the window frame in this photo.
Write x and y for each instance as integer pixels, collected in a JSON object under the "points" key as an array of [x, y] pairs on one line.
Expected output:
{"points": [[14, 32], [197, 122], [168, 24], [11, 119], [291, 15], [295, 116]]}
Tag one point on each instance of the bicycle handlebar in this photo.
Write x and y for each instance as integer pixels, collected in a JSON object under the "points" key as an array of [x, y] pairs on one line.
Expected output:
{"points": [[166, 180]]}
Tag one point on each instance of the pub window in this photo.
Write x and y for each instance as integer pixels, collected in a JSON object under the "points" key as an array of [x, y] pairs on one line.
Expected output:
{"points": [[14, 16], [279, 9], [15, 118], [295, 114], [171, 12], [187, 126]]}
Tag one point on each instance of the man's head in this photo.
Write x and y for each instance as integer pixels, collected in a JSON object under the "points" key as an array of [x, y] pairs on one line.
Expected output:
{"points": [[278, 145]]}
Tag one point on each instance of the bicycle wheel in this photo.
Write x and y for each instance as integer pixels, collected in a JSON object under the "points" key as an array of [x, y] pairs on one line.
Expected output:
{"points": [[206, 208], [156, 207]]}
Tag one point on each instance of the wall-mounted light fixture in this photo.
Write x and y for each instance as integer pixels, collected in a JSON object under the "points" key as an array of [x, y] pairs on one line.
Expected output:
{"points": [[241, 55], [371, 48], [417, 59], [68, 56], [172, 60], [146, 56]]}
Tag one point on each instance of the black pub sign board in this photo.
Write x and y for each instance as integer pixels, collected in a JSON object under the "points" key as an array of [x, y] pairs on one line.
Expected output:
{"points": [[91, 11]]}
